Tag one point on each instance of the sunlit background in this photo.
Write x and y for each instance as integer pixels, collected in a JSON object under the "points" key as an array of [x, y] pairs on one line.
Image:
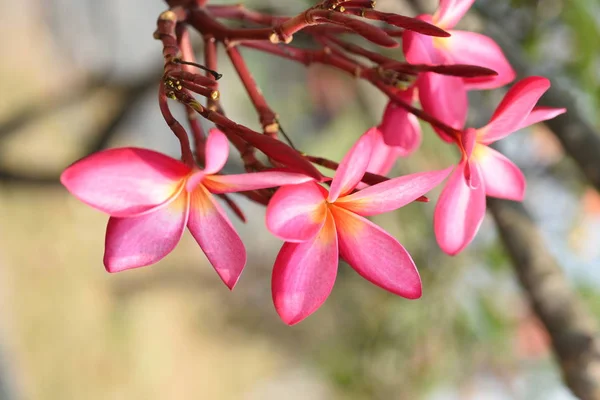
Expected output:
{"points": [[78, 76]]}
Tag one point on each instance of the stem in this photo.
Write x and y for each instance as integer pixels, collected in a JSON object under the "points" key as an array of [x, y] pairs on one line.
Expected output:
{"points": [[240, 12], [308, 57], [187, 53], [267, 117], [186, 152], [210, 58]]}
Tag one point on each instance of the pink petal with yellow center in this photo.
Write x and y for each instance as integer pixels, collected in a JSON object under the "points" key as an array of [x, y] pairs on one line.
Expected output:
{"points": [[125, 182], [296, 213], [468, 141], [216, 236], [476, 49], [445, 98], [304, 274], [459, 210], [217, 151], [392, 194], [253, 181], [352, 168], [514, 109], [501, 177], [450, 12], [376, 255], [143, 240]]}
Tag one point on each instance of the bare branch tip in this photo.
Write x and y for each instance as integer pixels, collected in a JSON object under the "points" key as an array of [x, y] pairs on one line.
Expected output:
{"points": [[168, 16]]}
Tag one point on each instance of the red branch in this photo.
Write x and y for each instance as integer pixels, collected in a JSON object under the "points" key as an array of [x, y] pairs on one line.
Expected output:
{"points": [[273, 34]]}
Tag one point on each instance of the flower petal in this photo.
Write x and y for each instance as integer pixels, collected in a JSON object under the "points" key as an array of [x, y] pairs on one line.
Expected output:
{"points": [[514, 109], [444, 97], [125, 182], [304, 274], [216, 236], [459, 210], [253, 181], [400, 128], [217, 151], [540, 114], [146, 239], [383, 157], [419, 49], [468, 141], [352, 168], [450, 12], [477, 49], [376, 255], [501, 177], [296, 213], [392, 194]]}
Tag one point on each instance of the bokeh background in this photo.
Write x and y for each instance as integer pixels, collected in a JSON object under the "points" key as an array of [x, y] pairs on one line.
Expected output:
{"points": [[81, 75]]}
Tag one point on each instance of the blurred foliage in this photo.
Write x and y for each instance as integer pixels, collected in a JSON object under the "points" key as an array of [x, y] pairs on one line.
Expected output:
{"points": [[574, 30]]}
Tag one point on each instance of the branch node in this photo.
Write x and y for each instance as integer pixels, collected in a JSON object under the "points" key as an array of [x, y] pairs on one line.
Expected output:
{"points": [[168, 16]]}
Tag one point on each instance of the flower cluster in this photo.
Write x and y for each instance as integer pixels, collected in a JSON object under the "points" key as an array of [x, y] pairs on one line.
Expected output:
{"points": [[151, 198]]}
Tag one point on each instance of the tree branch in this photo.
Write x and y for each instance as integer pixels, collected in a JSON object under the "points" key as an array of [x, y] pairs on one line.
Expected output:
{"points": [[574, 334]]}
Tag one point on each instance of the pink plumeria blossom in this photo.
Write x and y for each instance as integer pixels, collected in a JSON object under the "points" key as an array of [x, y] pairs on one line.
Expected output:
{"points": [[460, 48], [445, 97], [483, 171], [151, 198], [319, 226]]}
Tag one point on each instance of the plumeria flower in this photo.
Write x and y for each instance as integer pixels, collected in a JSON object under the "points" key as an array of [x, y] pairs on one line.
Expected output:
{"points": [[151, 198], [319, 226], [483, 171], [442, 96]]}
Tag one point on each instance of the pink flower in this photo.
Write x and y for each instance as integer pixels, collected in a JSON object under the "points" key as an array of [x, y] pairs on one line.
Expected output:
{"points": [[151, 198], [460, 48], [445, 97], [483, 171], [319, 226]]}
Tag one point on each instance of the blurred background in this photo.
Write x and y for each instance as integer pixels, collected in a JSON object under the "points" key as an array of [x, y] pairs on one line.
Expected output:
{"points": [[81, 75]]}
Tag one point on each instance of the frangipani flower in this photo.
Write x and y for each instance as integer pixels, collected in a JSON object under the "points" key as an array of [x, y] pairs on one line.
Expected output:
{"points": [[319, 226], [461, 47], [442, 96], [151, 198], [483, 171]]}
